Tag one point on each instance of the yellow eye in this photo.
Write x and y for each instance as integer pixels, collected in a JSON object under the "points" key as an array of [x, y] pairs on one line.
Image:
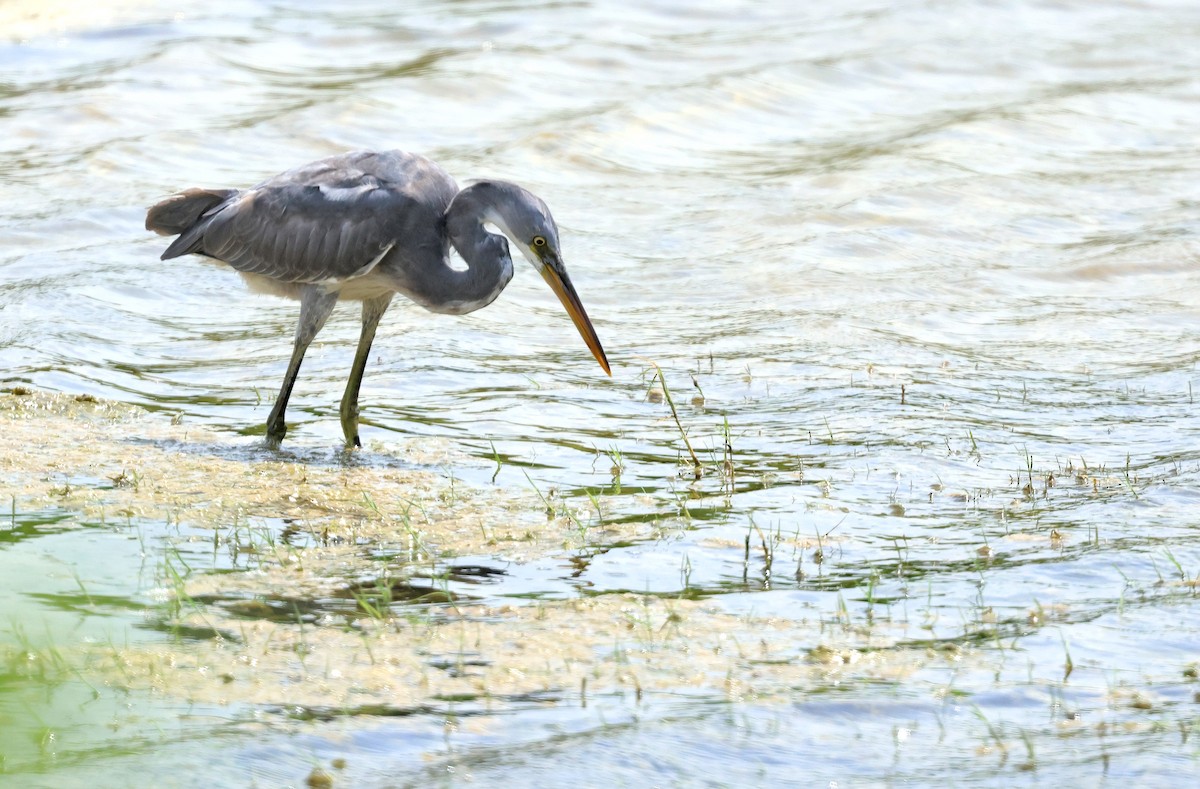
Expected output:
{"points": [[539, 241]]}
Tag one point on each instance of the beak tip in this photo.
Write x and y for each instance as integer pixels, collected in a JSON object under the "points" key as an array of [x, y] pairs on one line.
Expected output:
{"points": [[602, 357], [562, 288]]}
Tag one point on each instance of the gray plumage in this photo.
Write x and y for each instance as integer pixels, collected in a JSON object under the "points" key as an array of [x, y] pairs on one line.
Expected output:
{"points": [[363, 226]]}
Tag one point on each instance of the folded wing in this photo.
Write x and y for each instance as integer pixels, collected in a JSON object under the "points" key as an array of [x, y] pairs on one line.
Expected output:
{"points": [[328, 221]]}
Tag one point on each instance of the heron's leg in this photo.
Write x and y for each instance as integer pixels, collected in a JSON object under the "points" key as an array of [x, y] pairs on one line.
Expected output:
{"points": [[315, 306], [372, 311]]}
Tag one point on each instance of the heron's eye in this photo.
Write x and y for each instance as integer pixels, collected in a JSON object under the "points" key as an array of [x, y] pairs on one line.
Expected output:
{"points": [[539, 241]]}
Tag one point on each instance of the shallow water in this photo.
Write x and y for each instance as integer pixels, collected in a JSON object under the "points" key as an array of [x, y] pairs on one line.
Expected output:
{"points": [[933, 263]]}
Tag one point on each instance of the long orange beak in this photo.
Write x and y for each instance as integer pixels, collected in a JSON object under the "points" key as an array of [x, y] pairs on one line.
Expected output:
{"points": [[556, 277]]}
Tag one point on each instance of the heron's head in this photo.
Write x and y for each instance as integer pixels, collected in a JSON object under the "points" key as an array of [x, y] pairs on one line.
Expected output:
{"points": [[525, 219]]}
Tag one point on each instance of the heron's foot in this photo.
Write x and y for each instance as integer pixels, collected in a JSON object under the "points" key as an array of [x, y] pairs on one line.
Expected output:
{"points": [[352, 439], [275, 433], [350, 428]]}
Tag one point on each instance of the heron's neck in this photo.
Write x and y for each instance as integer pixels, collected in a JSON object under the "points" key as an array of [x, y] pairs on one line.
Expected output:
{"points": [[489, 265]]}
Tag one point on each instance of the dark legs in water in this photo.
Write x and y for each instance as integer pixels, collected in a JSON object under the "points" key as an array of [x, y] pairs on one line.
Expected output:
{"points": [[372, 311], [315, 306]]}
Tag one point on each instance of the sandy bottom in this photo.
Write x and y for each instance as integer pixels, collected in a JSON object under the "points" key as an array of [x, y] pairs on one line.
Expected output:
{"points": [[23, 19], [105, 461]]}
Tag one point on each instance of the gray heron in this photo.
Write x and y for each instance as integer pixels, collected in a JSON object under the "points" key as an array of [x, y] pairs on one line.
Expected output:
{"points": [[364, 226]]}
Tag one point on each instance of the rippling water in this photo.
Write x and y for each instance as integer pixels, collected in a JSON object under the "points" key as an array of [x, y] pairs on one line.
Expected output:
{"points": [[917, 254]]}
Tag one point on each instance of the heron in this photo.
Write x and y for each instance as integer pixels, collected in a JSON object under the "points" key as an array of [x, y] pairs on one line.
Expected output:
{"points": [[364, 226]]}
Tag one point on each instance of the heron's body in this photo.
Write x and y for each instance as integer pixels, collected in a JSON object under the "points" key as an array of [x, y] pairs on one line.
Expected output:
{"points": [[363, 226]]}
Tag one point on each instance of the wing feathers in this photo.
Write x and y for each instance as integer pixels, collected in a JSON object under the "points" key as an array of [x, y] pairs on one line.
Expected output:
{"points": [[325, 221], [179, 212]]}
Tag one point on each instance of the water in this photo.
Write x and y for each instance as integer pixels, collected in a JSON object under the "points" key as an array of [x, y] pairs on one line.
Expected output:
{"points": [[934, 264]]}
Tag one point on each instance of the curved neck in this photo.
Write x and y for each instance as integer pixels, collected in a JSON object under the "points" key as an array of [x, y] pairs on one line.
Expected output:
{"points": [[489, 265]]}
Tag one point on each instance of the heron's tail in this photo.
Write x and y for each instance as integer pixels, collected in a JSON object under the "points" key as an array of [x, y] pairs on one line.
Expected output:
{"points": [[180, 213]]}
